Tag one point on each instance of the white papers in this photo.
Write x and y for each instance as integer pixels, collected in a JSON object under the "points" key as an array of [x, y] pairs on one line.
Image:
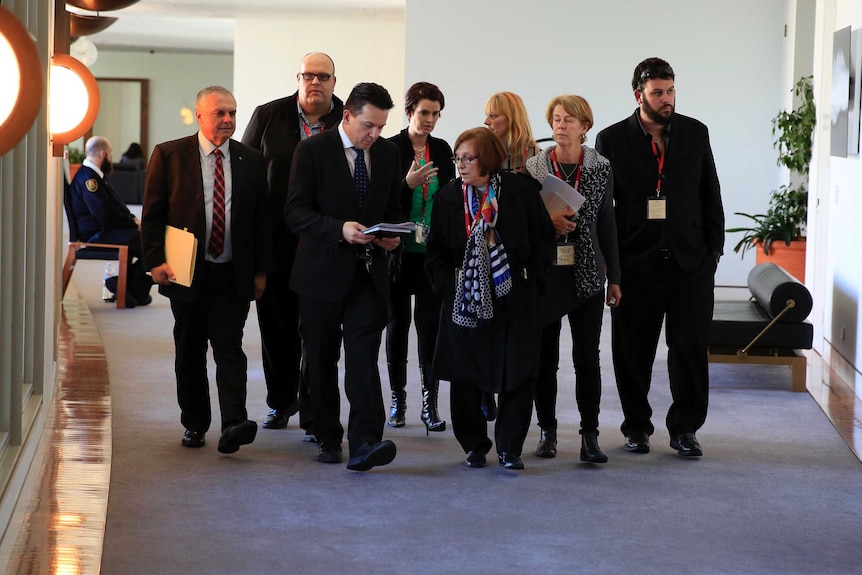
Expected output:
{"points": [[181, 248], [385, 230], [557, 194]]}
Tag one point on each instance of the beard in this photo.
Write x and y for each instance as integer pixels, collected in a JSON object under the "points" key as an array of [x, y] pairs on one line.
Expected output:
{"points": [[107, 167], [656, 116]]}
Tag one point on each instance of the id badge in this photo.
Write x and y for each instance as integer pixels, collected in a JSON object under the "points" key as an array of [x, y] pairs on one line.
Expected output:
{"points": [[657, 209], [565, 255], [421, 234]]}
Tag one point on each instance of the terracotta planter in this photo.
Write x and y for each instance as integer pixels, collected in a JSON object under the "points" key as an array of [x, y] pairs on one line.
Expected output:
{"points": [[73, 169], [791, 258]]}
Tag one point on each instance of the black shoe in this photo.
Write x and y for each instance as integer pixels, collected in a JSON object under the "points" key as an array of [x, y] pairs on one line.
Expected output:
{"points": [[547, 446], [637, 443], [276, 419], [369, 456], [328, 453], [235, 435], [489, 406], [142, 300], [686, 445], [309, 437], [590, 450], [194, 438], [475, 459], [510, 461]]}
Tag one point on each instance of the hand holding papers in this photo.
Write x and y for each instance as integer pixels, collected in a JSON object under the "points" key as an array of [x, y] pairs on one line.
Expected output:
{"points": [[557, 194], [181, 248], [385, 230]]}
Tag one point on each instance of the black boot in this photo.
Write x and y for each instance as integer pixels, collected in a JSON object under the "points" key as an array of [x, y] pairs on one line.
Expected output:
{"points": [[590, 450], [430, 387], [398, 383], [547, 446]]}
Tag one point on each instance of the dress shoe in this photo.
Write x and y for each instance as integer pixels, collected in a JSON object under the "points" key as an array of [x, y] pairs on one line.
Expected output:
{"points": [[309, 437], [637, 443], [235, 435], [510, 461], [686, 445], [276, 419], [194, 438], [145, 299], [590, 450], [475, 459], [328, 453], [547, 446], [489, 406], [369, 456]]}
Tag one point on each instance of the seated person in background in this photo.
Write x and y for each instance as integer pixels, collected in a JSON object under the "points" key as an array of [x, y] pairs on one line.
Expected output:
{"points": [[102, 217], [133, 155]]}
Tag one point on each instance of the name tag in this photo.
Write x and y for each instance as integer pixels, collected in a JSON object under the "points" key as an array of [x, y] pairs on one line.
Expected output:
{"points": [[565, 255], [656, 209], [421, 234]]}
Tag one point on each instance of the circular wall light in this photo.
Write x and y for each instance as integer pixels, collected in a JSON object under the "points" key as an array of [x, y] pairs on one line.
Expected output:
{"points": [[21, 89], [73, 99]]}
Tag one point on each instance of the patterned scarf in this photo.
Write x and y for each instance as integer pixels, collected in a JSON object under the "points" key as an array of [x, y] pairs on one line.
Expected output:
{"points": [[484, 275]]}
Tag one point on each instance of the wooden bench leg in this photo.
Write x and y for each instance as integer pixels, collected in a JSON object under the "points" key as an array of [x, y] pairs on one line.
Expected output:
{"points": [[799, 367], [69, 267], [122, 277]]}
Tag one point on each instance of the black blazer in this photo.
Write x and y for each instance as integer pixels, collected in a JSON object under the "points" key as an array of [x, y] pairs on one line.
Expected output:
{"points": [[321, 198], [694, 228], [174, 195], [274, 129], [441, 155]]}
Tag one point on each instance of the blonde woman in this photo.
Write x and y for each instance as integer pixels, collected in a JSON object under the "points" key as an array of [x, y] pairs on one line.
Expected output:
{"points": [[506, 117]]}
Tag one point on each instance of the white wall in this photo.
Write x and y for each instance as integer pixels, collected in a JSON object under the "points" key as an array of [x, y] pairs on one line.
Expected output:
{"points": [[728, 57], [366, 46], [175, 79]]}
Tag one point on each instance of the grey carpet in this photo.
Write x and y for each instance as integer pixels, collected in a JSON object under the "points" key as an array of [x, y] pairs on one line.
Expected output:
{"points": [[777, 491]]}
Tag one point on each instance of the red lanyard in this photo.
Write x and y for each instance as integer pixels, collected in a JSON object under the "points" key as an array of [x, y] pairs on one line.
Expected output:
{"points": [[559, 173], [659, 157], [308, 133], [425, 185], [468, 220]]}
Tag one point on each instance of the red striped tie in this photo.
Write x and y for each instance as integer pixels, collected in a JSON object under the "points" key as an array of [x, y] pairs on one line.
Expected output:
{"points": [[216, 246]]}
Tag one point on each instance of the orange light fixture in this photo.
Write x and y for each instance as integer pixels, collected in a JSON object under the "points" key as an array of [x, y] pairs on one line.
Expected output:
{"points": [[73, 100], [21, 89]]}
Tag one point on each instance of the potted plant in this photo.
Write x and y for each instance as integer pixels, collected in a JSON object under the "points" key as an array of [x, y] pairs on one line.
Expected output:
{"points": [[787, 214]]}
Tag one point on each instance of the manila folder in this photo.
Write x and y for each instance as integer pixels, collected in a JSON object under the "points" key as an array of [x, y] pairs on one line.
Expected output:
{"points": [[181, 248]]}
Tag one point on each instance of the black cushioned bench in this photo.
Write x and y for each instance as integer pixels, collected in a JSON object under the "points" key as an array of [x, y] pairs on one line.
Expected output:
{"points": [[770, 328]]}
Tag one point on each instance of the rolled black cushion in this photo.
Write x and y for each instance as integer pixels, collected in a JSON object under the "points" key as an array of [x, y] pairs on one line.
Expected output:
{"points": [[772, 287]]}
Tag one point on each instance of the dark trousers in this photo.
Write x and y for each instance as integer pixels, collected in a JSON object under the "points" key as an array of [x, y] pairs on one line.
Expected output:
{"points": [[139, 283], [426, 312], [359, 319], [281, 347], [685, 299], [471, 428], [216, 317], [585, 322]]}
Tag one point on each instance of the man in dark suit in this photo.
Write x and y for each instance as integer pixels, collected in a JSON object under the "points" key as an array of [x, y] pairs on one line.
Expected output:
{"points": [[342, 182], [670, 223], [275, 129], [216, 188], [102, 217]]}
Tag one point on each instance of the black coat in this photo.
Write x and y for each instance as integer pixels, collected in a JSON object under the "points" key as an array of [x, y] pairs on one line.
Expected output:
{"points": [[502, 354]]}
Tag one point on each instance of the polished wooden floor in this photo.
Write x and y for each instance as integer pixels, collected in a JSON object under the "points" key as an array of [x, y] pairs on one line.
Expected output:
{"points": [[64, 526]]}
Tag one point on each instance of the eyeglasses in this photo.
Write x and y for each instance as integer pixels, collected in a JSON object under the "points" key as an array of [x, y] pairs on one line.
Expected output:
{"points": [[308, 77], [463, 160]]}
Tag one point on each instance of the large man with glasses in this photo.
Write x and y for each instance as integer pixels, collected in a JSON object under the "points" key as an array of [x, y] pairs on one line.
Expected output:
{"points": [[275, 129], [670, 223], [342, 182]]}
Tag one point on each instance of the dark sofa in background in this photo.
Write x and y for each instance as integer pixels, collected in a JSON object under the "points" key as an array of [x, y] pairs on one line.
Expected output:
{"points": [[128, 179]]}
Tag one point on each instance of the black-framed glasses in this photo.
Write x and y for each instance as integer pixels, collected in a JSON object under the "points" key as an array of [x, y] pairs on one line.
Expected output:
{"points": [[308, 77], [463, 160]]}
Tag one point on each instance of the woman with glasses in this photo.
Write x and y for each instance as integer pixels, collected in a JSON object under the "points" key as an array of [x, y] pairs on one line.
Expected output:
{"points": [[491, 241], [586, 254], [506, 117], [426, 162]]}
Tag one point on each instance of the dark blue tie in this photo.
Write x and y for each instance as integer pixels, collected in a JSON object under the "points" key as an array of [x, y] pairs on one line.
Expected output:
{"points": [[360, 178]]}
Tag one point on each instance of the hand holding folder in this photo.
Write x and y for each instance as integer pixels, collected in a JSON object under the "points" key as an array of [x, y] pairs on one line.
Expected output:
{"points": [[181, 248]]}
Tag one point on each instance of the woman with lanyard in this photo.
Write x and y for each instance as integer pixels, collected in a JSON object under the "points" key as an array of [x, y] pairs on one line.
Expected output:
{"points": [[586, 253], [426, 161], [490, 245], [506, 117]]}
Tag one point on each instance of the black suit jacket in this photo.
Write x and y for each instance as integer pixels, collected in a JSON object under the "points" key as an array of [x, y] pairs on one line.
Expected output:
{"points": [[274, 129], [441, 155], [321, 198], [694, 228], [174, 195]]}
